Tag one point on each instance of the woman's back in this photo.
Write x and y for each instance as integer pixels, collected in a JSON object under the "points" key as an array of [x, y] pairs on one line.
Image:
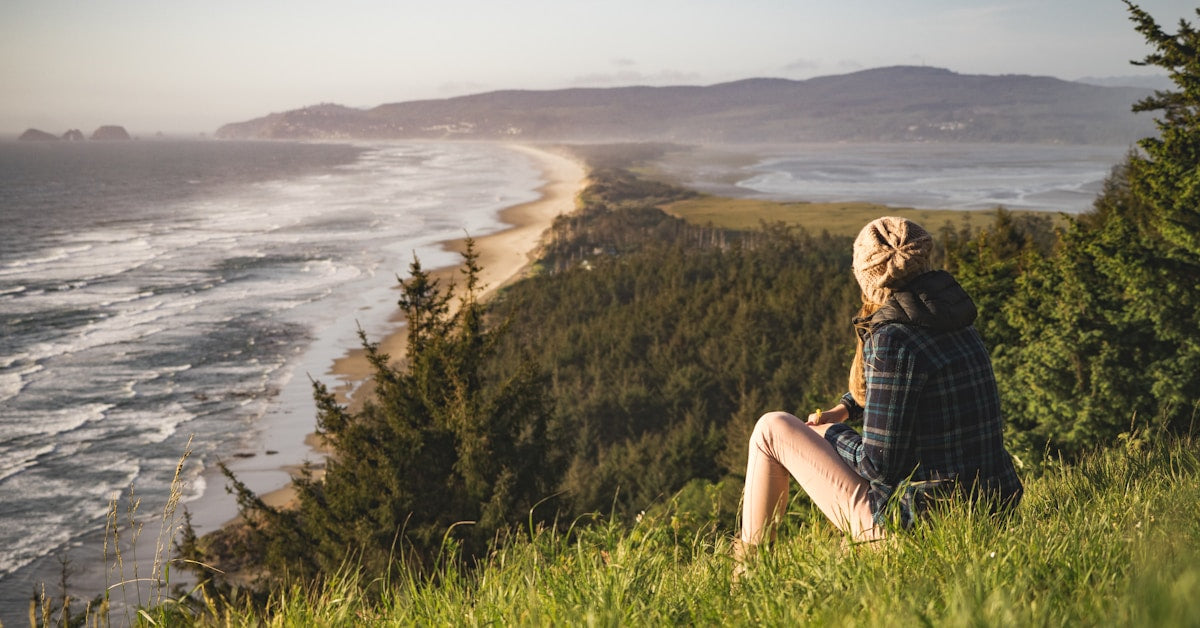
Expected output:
{"points": [[932, 411]]}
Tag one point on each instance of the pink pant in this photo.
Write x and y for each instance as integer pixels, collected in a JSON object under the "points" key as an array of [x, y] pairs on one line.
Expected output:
{"points": [[783, 444]]}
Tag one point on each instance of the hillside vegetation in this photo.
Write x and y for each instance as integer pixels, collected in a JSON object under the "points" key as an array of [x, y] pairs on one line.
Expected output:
{"points": [[1110, 540], [571, 451]]}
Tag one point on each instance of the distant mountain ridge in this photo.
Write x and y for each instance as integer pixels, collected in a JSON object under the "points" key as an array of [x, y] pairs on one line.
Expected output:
{"points": [[901, 103]]}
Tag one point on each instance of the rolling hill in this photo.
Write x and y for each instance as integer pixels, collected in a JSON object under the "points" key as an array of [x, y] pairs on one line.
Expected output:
{"points": [[901, 103]]}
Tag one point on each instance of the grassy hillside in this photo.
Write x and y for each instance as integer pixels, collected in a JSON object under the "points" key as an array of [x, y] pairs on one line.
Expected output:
{"points": [[1113, 539]]}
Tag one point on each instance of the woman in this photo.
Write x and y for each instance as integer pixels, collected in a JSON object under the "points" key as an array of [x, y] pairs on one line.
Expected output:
{"points": [[922, 383]]}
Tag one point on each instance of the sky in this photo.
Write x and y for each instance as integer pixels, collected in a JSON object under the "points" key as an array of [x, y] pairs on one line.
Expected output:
{"points": [[189, 66]]}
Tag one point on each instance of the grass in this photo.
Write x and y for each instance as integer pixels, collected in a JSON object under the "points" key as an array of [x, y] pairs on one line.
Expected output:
{"points": [[131, 596], [1113, 539], [837, 218]]}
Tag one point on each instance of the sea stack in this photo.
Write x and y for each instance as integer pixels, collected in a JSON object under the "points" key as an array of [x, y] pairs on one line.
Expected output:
{"points": [[74, 135], [35, 135], [110, 132]]}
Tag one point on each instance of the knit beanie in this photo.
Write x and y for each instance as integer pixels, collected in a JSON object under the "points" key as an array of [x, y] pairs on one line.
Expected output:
{"points": [[888, 252]]}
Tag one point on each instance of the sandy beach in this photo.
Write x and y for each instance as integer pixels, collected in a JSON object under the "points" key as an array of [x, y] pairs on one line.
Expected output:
{"points": [[504, 257]]}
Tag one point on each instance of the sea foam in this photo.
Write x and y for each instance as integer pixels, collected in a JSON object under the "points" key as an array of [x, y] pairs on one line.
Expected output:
{"points": [[167, 315]]}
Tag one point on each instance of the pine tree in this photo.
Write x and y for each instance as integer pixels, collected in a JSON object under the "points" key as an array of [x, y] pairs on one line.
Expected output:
{"points": [[1168, 177], [1109, 325], [439, 453], [989, 262], [1167, 180]]}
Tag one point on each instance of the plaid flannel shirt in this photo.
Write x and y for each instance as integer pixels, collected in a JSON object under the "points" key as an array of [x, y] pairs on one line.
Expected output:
{"points": [[931, 422]]}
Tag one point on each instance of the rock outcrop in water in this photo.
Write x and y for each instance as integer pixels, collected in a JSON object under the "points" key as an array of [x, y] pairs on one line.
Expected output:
{"points": [[35, 135], [110, 132]]}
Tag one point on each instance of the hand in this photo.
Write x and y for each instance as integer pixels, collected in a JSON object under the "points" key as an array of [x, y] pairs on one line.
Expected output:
{"points": [[838, 414]]}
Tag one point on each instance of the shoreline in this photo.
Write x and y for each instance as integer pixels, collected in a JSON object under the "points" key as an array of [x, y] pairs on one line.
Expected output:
{"points": [[504, 257]]}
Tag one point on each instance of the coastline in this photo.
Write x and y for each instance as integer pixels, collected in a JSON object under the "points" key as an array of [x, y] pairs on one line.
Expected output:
{"points": [[504, 256]]}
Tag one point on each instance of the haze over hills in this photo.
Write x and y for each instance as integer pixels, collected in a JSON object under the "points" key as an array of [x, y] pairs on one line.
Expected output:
{"points": [[902, 103], [1157, 82]]}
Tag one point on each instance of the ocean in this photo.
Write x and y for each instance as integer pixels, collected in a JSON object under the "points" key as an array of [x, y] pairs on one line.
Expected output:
{"points": [[156, 291]]}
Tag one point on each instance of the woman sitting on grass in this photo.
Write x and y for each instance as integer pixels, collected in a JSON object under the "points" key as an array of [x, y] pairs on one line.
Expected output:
{"points": [[922, 383]]}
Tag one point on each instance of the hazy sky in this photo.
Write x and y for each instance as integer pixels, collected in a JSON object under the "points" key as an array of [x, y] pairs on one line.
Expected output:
{"points": [[189, 66]]}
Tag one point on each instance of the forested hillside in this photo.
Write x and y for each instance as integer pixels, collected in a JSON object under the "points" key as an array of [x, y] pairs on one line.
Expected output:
{"points": [[665, 341]]}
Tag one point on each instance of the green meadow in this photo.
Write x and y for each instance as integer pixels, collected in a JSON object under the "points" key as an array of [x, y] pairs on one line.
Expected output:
{"points": [[836, 218]]}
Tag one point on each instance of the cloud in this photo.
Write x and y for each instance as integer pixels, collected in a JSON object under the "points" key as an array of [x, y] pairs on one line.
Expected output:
{"points": [[802, 66], [633, 77], [459, 88], [623, 62]]}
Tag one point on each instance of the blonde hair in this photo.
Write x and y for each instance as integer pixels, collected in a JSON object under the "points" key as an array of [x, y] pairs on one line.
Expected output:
{"points": [[858, 375]]}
